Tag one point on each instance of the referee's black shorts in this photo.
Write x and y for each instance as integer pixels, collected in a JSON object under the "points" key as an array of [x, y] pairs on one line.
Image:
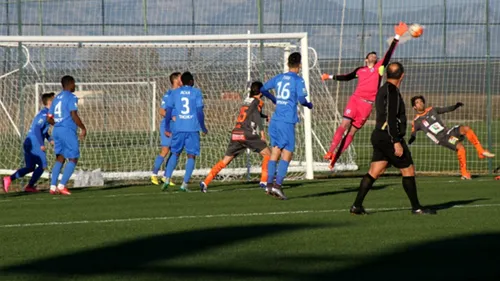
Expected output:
{"points": [[383, 150]]}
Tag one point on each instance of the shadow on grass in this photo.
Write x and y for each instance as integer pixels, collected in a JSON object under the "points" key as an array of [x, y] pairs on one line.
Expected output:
{"points": [[451, 204], [460, 258], [137, 255], [341, 191]]}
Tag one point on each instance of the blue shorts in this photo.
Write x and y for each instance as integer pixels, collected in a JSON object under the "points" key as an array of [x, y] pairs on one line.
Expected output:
{"points": [[190, 141], [282, 135], [164, 140], [66, 143], [33, 154]]}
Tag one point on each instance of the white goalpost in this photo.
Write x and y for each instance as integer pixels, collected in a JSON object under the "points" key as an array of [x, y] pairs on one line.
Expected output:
{"points": [[120, 80]]}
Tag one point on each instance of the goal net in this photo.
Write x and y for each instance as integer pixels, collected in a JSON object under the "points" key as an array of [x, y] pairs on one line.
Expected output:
{"points": [[120, 82]]}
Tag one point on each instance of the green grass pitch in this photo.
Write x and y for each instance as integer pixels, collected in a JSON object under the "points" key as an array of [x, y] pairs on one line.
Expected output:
{"points": [[236, 232]]}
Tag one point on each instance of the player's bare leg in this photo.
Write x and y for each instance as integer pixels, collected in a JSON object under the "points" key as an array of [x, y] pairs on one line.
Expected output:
{"points": [[266, 155], [462, 162], [337, 138], [345, 144], [471, 136], [276, 190], [214, 171]]}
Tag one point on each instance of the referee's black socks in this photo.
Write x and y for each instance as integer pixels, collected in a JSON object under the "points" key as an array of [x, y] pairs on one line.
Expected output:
{"points": [[365, 186], [410, 187]]}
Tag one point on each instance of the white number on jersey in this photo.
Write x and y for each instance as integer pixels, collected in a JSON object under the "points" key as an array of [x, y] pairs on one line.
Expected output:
{"points": [[185, 105], [436, 128], [57, 109], [283, 92]]}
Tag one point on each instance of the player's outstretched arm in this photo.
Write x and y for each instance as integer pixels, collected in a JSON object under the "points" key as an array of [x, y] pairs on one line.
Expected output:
{"points": [[414, 129], [441, 110], [341, 77], [399, 30], [79, 123]]}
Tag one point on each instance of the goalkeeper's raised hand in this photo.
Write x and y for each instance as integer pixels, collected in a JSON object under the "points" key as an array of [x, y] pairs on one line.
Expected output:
{"points": [[401, 29], [459, 104], [326, 76]]}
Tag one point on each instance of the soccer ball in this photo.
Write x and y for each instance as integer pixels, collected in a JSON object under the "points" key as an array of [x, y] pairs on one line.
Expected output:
{"points": [[416, 30]]}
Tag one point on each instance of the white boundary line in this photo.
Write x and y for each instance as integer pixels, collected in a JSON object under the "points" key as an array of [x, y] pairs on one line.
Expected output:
{"points": [[108, 221]]}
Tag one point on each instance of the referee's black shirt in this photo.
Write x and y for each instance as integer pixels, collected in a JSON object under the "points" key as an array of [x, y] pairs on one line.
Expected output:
{"points": [[391, 115]]}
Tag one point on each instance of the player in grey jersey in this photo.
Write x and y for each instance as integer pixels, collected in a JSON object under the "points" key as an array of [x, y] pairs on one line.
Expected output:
{"points": [[429, 121]]}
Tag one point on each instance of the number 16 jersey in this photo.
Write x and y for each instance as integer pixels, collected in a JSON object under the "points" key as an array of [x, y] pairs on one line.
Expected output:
{"points": [[287, 88]]}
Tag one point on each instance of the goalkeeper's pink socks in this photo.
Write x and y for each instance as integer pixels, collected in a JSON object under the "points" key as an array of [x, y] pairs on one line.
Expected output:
{"points": [[337, 138], [347, 142]]}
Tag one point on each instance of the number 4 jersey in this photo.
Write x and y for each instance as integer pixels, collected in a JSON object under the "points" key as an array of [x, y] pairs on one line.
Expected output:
{"points": [[61, 108]]}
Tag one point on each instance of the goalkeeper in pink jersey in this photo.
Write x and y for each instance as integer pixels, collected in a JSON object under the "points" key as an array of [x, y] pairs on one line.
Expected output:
{"points": [[360, 104]]}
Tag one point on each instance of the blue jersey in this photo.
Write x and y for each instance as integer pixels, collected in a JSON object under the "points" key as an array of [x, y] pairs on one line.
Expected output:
{"points": [[61, 108], [163, 105], [288, 87], [185, 101], [39, 129]]}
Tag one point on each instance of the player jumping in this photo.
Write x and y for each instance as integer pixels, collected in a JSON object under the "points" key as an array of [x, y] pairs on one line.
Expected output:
{"points": [[187, 102], [245, 135], [360, 104], [289, 88], [175, 80], [429, 121], [34, 148], [63, 114]]}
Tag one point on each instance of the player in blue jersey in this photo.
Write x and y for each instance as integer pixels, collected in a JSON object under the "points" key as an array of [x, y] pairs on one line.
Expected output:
{"points": [[289, 89], [175, 80], [63, 114], [187, 103], [34, 148]]}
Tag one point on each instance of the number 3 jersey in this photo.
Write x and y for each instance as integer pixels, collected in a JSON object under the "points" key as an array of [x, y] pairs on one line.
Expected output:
{"points": [[249, 120], [430, 122], [185, 102]]}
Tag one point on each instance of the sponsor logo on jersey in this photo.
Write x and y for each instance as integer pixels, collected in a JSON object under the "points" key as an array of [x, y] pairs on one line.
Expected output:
{"points": [[426, 124], [453, 140], [433, 138]]}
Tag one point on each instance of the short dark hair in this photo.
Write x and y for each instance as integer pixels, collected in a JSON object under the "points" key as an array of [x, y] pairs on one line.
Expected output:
{"points": [[66, 80], [415, 98], [46, 97], [255, 88], [370, 53], [174, 76], [187, 78], [395, 70], [294, 60]]}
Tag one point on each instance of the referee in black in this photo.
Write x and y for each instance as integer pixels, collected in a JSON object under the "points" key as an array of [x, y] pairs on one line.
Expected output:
{"points": [[389, 146]]}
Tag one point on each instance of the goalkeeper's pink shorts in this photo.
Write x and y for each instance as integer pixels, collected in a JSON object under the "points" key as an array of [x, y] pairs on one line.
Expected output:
{"points": [[358, 110]]}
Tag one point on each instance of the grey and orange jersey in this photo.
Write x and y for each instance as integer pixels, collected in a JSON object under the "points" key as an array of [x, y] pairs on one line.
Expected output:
{"points": [[249, 118], [430, 123]]}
